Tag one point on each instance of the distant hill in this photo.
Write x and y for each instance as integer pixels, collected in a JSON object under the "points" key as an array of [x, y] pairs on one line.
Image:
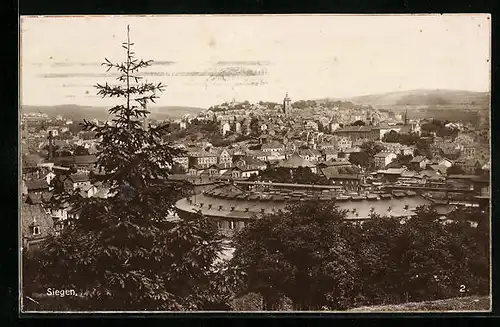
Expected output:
{"points": [[76, 112], [426, 99]]}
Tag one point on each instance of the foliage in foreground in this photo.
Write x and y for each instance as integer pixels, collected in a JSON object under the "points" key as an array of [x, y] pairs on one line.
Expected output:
{"points": [[312, 256], [122, 253]]}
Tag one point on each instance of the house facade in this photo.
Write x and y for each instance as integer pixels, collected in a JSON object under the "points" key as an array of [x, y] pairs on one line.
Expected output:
{"points": [[203, 159], [76, 181], [382, 159], [225, 158]]}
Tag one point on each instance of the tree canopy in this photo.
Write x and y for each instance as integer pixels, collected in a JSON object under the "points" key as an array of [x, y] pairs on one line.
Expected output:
{"points": [[123, 252], [358, 123], [402, 138], [361, 159], [310, 254]]}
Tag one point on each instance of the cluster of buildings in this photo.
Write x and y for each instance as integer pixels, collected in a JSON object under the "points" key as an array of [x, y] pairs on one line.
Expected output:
{"points": [[286, 139]]}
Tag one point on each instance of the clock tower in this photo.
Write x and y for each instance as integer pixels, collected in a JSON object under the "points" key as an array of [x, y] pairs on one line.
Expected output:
{"points": [[287, 105]]}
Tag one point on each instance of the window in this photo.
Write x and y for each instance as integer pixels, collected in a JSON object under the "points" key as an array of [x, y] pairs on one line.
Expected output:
{"points": [[36, 230], [231, 224]]}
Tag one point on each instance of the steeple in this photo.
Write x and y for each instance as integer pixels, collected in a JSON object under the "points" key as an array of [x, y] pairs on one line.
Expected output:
{"points": [[405, 117], [286, 104]]}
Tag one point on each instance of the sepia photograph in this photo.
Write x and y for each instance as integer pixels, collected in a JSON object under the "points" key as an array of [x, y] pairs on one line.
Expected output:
{"points": [[255, 163]]}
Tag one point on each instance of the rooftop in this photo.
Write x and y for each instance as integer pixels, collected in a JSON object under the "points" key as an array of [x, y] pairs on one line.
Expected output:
{"points": [[237, 205], [295, 161], [79, 178], [39, 184]]}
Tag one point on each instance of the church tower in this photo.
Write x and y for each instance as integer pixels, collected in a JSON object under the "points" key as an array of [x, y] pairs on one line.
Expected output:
{"points": [[405, 117], [287, 105]]}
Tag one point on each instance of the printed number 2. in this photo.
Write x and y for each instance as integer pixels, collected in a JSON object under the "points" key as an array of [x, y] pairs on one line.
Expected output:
{"points": [[462, 289]]}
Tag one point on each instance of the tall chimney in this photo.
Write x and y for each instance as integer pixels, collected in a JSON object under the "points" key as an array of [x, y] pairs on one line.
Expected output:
{"points": [[51, 145]]}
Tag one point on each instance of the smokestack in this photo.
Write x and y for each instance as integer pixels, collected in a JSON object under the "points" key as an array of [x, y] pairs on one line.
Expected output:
{"points": [[51, 145]]}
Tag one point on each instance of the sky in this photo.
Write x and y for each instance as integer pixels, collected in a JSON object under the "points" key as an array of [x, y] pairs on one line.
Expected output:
{"points": [[207, 60]]}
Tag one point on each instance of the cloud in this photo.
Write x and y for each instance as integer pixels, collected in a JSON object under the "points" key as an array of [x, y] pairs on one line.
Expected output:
{"points": [[212, 74], [256, 83], [69, 75], [163, 63], [77, 85], [75, 64], [236, 71], [249, 63]]}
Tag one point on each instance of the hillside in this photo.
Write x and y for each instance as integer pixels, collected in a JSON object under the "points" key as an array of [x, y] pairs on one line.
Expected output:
{"points": [[426, 99], [76, 112], [470, 303]]}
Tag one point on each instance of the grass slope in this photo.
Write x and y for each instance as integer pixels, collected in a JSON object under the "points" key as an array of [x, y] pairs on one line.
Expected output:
{"points": [[470, 303]]}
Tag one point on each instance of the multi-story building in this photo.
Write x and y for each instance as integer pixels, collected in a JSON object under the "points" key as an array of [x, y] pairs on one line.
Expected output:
{"points": [[76, 181], [202, 159], [382, 159], [469, 151], [310, 154], [344, 142], [419, 162], [398, 148], [225, 158], [359, 132]]}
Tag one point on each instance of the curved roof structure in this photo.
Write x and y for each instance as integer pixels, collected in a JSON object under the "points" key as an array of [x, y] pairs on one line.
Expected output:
{"points": [[232, 202]]}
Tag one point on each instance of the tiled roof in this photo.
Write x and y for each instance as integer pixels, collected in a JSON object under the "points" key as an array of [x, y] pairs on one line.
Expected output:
{"points": [[329, 151], [40, 184], [337, 163], [38, 198], [439, 168], [391, 207], [79, 178], [35, 213], [86, 187], [418, 159]]}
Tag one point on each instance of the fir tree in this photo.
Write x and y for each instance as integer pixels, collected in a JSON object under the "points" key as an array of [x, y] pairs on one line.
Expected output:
{"points": [[121, 252]]}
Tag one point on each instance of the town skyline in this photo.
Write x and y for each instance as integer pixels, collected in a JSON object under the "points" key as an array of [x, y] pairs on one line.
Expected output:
{"points": [[273, 193], [202, 61]]}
